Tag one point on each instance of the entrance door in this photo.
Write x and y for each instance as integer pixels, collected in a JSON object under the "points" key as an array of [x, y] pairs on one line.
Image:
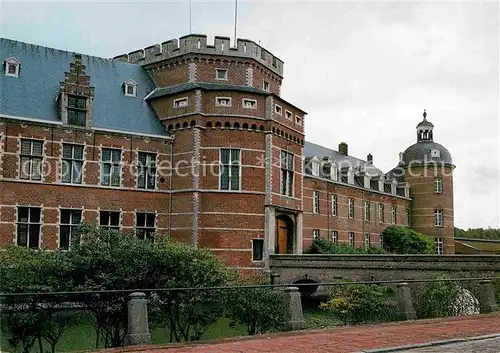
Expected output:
{"points": [[281, 236]]}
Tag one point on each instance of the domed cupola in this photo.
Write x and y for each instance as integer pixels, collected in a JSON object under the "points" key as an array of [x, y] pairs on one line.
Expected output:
{"points": [[426, 151]]}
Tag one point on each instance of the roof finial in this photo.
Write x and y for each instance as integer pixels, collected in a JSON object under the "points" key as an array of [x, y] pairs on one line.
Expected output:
{"points": [[425, 114]]}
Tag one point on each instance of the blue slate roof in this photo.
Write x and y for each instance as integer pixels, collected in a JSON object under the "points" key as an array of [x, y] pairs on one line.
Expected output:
{"points": [[33, 94]]}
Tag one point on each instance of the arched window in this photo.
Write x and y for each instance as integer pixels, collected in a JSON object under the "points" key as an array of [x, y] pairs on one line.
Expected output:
{"points": [[286, 135], [185, 125], [236, 126], [254, 127], [274, 130], [262, 128], [209, 124], [245, 126], [227, 125], [193, 123], [177, 126], [218, 125], [170, 127], [294, 139]]}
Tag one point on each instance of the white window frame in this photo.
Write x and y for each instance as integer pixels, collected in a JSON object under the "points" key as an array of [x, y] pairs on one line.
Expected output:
{"points": [[226, 76], [439, 246], [245, 100], [31, 157], [335, 208], [108, 226], [144, 227], [176, 101], [29, 223], [114, 167], [133, 84], [439, 218], [266, 86], [367, 240], [367, 211], [71, 225], [277, 109], [72, 163], [12, 61], [350, 210], [335, 237], [149, 168], [288, 115], [315, 167], [438, 185], [315, 201], [315, 233], [394, 215], [219, 99], [298, 120], [381, 210], [230, 165], [351, 239], [289, 186]]}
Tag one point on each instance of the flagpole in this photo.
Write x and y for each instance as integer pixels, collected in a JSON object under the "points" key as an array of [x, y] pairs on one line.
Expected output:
{"points": [[235, 20], [190, 31]]}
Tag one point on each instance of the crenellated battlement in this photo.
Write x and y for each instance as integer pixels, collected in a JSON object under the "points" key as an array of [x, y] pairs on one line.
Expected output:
{"points": [[197, 43]]}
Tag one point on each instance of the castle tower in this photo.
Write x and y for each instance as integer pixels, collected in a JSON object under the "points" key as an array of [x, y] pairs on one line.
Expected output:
{"points": [[428, 168], [236, 182]]}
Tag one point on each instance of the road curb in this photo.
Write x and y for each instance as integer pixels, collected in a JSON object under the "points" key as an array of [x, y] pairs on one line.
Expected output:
{"points": [[431, 344]]}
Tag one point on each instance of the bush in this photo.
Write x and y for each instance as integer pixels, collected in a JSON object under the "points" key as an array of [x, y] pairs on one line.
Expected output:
{"points": [[324, 246], [260, 310], [403, 240], [355, 304]]}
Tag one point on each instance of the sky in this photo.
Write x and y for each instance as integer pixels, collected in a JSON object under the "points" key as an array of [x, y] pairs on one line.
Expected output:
{"points": [[363, 71]]}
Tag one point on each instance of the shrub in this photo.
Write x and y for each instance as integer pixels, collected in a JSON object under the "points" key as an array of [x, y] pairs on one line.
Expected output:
{"points": [[324, 246], [260, 310], [403, 240], [355, 304]]}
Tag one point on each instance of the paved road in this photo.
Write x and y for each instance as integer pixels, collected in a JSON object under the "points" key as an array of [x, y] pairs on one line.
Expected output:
{"points": [[351, 339], [483, 346]]}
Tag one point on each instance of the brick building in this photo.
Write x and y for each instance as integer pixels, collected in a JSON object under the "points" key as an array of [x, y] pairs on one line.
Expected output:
{"points": [[194, 142]]}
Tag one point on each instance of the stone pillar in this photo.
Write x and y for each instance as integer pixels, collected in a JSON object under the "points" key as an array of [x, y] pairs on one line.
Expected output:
{"points": [[294, 318], [487, 302], [138, 325], [404, 302]]}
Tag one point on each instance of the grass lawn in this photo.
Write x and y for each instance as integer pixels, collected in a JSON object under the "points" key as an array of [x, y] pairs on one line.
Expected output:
{"points": [[82, 337]]}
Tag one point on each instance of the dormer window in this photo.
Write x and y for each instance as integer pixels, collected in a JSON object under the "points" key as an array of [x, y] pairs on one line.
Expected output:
{"points": [[130, 88], [223, 102], [77, 110], [315, 168], [221, 74], [12, 67]]}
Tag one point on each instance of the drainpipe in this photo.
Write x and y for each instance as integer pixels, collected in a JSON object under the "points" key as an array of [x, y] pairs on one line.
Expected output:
{"points": [[329, 206], [363, 220], [170, 188]]}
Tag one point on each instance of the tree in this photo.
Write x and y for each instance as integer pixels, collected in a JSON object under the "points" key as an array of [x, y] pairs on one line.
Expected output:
{"points": [[324, 246], [403, 240], [478, 233]]}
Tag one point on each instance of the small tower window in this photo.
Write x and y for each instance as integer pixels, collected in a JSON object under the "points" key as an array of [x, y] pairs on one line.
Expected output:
{"points": [[181, 102], [298, 120], [77, 110], [12, 66], [249, 103], [221, 74], [438, 185], [288, 114], [277, 109], [130, 88], [223, 102], [265, 86]]}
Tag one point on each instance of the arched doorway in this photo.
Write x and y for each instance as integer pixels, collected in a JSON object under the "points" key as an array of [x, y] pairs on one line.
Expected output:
{"points": [[284, 235]]}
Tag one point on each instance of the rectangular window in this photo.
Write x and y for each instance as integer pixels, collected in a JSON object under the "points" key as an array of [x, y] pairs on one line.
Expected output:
{"points": [[31, 160], [265, 86], [335, 237], [315, 233], [230, 169], [70, 219], [111, 167], [367, 242], [72, 163], [77, 110], [408, 217], [257, 249], [381, 213], [277, 109], [249, 103], [438, 185], [288, 114], [316, 202], [439, 218], [439, 243], [351, 207], [298, 120], [286, 173], [130, 89], [381, 240], [223, 102], [145, 225], [351, 239], [367, 211], [181, 102], [394, 213], [109, 220], [334, 205], [12, 69], [146, 170], [221, 74], [28, 226]]}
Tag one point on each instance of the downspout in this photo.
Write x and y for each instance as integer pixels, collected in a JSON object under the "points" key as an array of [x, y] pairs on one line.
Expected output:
{"points": [[363, 213], [170, 188], [329, 207]]}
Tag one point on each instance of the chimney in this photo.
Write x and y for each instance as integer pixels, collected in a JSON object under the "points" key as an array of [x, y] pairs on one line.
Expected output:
{"points": [[369, 158], [343, 148]]}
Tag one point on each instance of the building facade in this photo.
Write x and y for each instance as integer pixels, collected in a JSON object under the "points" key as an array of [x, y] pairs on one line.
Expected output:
{"points": [[194, 142]]}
